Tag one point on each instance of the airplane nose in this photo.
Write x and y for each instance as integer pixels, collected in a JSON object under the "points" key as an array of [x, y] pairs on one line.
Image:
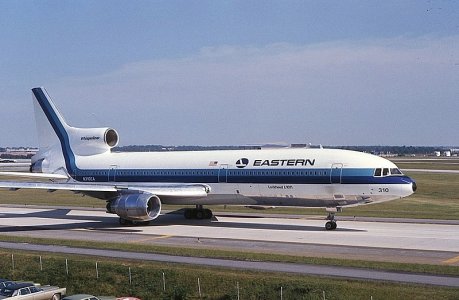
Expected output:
{"points": [[414, 186]]}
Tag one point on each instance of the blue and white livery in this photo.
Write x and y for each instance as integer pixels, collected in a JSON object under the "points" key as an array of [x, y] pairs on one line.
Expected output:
{"points": [[136, 184]]}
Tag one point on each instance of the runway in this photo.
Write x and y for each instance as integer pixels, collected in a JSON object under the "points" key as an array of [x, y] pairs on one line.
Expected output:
{"points": [[427, 242]]}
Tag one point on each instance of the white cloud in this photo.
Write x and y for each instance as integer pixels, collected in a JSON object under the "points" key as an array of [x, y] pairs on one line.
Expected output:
{"points": [[385, 91]]}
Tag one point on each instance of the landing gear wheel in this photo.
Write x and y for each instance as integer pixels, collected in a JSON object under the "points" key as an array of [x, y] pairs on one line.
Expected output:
{"points": [[208, 214], [140, 223], [188, 214], [124, 222], [330, 225], [198, 213]]}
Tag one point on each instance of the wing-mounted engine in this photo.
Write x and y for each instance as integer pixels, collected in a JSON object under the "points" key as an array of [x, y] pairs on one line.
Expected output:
{"points": [[136, 207], [91, 141]]}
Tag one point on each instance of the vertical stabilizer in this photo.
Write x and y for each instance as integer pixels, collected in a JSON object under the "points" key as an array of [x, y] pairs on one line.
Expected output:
{"points": [[47, 118], [50, 128]]}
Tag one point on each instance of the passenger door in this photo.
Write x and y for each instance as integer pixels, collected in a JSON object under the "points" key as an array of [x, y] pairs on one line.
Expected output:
{"points": [[223, 173], [112, 173], [336, 173]]}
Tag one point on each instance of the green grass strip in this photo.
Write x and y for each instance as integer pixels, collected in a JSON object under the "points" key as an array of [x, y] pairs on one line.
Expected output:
{"points": [[245, 256]]}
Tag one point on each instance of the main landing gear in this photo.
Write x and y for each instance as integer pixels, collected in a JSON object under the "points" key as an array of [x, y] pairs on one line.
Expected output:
{"points": [[331, 224], [198, 213], [125, 222]]}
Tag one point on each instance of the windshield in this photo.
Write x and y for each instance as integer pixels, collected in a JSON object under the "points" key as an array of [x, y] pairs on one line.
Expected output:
{"points": [[7, 292], [396, 171], [383, 172]]}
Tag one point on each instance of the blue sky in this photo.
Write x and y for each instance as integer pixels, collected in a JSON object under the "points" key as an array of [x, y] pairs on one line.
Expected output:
{"points": [[236, 72]]}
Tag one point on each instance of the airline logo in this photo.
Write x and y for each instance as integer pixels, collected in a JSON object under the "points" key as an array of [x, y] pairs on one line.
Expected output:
{"points": [[90, 138], [244, 162]]}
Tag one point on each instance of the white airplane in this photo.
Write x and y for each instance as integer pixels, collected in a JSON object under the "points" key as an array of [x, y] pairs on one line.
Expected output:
{"points": [[136, 184]]}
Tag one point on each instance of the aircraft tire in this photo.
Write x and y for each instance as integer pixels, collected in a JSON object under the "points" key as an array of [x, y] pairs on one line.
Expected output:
{"points": [[200, 214], [208, 214], [188, 214], [330, 225]]}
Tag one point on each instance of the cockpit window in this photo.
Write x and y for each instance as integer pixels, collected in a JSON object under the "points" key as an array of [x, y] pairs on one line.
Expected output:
{"points": [[382, 172], [395, 171]]}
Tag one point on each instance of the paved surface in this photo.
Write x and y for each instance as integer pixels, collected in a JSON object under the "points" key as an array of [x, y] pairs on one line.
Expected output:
{"points": [[431, 171], [425, 242], [303, 269]]}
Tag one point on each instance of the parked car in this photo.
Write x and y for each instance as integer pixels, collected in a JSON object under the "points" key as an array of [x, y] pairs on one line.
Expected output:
{"points": [[28, 291], [8, 283]]}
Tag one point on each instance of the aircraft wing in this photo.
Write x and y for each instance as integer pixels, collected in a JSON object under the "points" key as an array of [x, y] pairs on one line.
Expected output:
{"points": [[170, 190]]}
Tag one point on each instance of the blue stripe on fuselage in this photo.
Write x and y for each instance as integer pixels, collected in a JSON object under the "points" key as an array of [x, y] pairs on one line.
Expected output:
{"points": [[237, 176]]}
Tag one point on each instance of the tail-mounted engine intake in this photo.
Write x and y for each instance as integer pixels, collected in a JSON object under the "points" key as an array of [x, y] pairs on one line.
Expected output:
{"points": [[90, 141], [136, 207]]}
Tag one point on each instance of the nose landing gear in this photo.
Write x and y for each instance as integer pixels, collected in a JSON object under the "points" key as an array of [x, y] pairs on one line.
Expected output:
{"points": [[331, 224]]}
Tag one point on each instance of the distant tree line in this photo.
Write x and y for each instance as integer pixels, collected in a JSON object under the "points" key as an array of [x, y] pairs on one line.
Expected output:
{"points": [[396, 150], [399, 150]]}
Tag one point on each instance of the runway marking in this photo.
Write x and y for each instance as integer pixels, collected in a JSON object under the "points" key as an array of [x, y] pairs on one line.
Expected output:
{"points": [[452, 260], [151, 239]]}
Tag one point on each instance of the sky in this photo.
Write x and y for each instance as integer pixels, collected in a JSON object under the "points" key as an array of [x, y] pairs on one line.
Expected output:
{"points": [[235, 72]]}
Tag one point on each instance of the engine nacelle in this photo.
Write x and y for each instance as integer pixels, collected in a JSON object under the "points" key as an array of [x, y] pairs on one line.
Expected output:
{"points": [[136, 207], [91, 141]]}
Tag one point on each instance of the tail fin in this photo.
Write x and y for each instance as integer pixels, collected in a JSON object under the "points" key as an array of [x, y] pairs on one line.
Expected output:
{"points": [[60, 144], [50, 123]]}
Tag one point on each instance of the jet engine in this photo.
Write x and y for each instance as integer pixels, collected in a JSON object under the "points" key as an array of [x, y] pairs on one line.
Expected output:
{"points": [[136, 207], [91, 141]]}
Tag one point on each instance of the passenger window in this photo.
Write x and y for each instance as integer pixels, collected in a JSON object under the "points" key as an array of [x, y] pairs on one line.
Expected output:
{"points": [[378, 172], [24, 291], [385, 172]]}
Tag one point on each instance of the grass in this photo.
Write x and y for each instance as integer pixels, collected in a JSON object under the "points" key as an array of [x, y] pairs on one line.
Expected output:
{"points": [[181, 281], [243, 255], [428, 165]]}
